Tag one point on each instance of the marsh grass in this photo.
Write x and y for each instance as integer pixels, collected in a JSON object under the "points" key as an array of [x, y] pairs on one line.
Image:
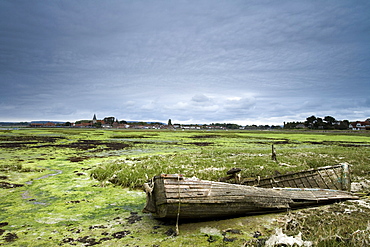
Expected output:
{"points": [[212, 163], [332, 225], [58, 207]]}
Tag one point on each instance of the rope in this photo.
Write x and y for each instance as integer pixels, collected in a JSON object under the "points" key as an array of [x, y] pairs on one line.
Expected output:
{"points": [[148, 187], [178, 209]]}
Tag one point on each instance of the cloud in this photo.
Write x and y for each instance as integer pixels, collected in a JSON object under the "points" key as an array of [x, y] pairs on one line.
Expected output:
{"points": [[200, 98], [255, 61]]}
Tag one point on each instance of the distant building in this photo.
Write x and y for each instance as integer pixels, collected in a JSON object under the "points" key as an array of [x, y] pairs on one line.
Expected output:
{"points": [[42, 124], [36, 125], [360, 125], [82, 125]]}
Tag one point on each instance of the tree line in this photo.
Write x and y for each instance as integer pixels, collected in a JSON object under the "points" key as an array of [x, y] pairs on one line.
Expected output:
{"points": [[313, 122]]}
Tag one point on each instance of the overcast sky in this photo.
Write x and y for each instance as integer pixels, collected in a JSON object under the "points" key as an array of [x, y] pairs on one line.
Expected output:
{"points": [[203, 61]]}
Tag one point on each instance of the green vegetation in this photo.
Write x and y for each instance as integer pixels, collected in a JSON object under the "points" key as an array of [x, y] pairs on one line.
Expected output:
{"points": [[82, 186]]}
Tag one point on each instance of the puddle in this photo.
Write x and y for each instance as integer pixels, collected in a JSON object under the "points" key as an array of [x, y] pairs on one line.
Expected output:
{"points": [[26, 194], [57, 172]]}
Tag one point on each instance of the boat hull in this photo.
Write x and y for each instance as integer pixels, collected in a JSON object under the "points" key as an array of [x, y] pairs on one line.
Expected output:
{"points": [[335, 177], [174, 196]]}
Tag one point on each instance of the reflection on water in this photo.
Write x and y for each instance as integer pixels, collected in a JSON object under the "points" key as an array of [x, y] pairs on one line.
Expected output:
{"points": [[46, 176]]}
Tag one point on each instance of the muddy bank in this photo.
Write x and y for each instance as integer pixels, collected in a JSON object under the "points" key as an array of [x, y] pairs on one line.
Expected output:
{"points": [[6, 185]]}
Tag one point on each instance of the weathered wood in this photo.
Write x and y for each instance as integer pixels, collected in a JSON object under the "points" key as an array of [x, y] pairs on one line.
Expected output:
{"points": [[329, 177], [193, 198]]}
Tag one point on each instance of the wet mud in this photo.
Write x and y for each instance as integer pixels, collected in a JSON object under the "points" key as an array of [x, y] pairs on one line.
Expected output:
{"points": [[105, 236], [10, 237], [205, 136], [200, 143], [44, 142], [90, 144], [23, 141], [348, 144], [6, 185]]}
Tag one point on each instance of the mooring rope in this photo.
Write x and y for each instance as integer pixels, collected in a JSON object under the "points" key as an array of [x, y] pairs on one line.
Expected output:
{"points": [[148, 187], [178, 209]]}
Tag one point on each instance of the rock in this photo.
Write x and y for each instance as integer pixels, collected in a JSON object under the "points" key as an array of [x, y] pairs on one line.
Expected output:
{"points": [[134, 218], [88, 241], [257, 234], [3, 224], [234, 231], [104, 239], [67, 240], [363, 185], [170, 232], [233, 171], [121, 234], [98, 227], [229, 239], [211, 239], [80, 173], [279, 238], [6, 185], [10, 237]]}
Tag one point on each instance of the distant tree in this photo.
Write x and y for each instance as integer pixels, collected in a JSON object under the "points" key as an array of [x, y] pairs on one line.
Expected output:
{"points": [[227, 125], [310, 122], [343, 125], [169, 122], [319, 123], [97, 125], [232, 126], [67, 124], [109, 120], [122, 122], [82, 121], [313, 122], [329, 121], [292, 125]]}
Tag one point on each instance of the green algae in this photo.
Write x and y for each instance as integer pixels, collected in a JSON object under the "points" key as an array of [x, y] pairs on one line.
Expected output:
{"points": [[69, 207]]}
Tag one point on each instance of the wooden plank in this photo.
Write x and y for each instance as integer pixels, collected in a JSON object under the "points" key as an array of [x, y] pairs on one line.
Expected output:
{"points": [[257, 202], [206, 198], [308, 178]]}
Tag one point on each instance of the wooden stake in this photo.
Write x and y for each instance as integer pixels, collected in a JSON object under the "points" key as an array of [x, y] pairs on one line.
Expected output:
{"points": [[273, 153]]}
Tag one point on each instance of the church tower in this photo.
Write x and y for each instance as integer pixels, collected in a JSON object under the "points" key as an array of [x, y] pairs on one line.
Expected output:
{"points": [[94, 119]]}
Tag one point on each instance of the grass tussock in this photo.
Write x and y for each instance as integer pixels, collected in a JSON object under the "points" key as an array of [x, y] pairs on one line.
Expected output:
{"points": [[332, 225], [18, 168], [212, 163]]}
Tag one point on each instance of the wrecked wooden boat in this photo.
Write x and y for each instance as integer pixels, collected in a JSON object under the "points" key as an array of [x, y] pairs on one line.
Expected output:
{"points": [[336, 177], [175, 196]]}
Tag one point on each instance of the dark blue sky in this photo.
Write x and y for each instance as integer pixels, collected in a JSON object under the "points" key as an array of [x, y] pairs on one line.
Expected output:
{"points": [[246, 62]]}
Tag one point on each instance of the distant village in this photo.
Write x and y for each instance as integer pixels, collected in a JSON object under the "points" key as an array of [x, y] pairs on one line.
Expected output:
{"points": [[312, 122], [114, 123]]}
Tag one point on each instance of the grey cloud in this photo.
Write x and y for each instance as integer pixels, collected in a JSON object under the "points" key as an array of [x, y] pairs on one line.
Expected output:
{"points": [[199, 98], [205, 61]]}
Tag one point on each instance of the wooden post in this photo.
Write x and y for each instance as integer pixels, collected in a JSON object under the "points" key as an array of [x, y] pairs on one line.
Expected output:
{"points": [[346, 179], [273, 153]]}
